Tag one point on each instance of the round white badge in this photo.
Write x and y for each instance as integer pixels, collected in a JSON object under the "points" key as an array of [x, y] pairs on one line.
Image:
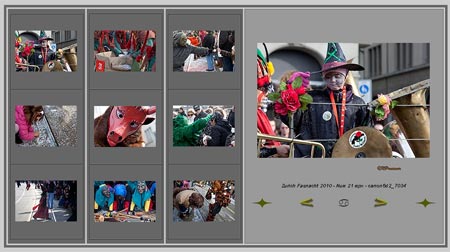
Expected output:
{"points": [[40, 56], [326, 116], [357, 139]]}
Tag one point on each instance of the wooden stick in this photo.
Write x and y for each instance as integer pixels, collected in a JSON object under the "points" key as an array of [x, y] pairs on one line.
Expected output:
{"points": [[404, 91]]}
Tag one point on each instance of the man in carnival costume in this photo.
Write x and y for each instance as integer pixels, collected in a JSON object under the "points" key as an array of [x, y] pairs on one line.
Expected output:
{"points": [[335, 109], [42, 53]]}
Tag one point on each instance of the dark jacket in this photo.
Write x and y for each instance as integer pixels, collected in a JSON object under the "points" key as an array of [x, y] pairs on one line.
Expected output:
{"points": [[226, 40], [200, 115], [314, 125], [37, 58], [51, 187], [208, 41], [231, 118], [219, 133]]}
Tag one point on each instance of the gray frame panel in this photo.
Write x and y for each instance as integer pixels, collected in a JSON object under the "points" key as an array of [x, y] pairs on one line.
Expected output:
{"points": [[59, 232], [139, 19], [151, 232], [34, 19], [47, 155], [126, 155], [209, 20], [326, 219], [206, 232]]}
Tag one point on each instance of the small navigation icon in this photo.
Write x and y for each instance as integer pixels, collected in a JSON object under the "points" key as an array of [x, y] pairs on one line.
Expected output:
{"points": [[262, 202], [307, 202], [380, 202], [425, 202]]}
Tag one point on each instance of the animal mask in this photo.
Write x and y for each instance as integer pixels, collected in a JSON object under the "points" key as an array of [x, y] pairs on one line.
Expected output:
{"points": [[126, 120]]}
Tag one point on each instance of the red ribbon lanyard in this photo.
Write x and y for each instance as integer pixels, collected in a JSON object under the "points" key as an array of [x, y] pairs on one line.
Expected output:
{"points": [[342, 118], [44, 54]]}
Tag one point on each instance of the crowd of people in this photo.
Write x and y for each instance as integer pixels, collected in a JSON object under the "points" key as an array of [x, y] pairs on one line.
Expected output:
{"points": [[65, 192], [137, 48], [42, 55], [216, 46], [124, 196], [203, 125]]}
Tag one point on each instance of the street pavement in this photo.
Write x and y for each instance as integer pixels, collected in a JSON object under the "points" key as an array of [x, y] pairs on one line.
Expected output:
{"points": [[26, 199]]}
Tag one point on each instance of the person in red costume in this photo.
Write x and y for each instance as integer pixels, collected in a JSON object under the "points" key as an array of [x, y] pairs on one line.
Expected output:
{"points": [[264, 86], [42, 209]]}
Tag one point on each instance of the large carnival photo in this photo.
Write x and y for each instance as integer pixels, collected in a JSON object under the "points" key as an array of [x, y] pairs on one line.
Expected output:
{"points": [[343, 100], [45, 51]]}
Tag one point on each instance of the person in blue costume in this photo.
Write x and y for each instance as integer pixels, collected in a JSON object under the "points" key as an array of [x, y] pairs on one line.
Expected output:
{"points": [[104, 199], [120, 202], [141, 198]]}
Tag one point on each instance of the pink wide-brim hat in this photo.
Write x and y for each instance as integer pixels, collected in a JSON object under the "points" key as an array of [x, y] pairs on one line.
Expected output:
{"points": [[337, 64]]}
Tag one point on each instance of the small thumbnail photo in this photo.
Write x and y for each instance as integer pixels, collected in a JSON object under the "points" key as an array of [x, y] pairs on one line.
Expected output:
{"points": [[203, 125], [125, 51], [45, 51], [125, 126], [203, 200], [125, 201], [46, 200], [203, 51], [46, 125]]}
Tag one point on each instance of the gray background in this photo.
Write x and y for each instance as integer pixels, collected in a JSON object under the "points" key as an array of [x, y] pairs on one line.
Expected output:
{"points": [[55, 19], [208, 20], [139, 232], [47, 155], [139, 19], [47, 89], [426, 177], [126, 155], [47, 232], [402, 221], [198, 154], [126, 89], [204, 232]]}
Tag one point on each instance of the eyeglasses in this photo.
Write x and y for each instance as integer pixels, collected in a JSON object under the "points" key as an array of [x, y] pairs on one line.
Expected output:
{"points": [[190, 114]]}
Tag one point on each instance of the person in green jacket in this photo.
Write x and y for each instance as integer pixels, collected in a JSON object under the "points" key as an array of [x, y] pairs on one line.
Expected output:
{"points": [[185, 134]]}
